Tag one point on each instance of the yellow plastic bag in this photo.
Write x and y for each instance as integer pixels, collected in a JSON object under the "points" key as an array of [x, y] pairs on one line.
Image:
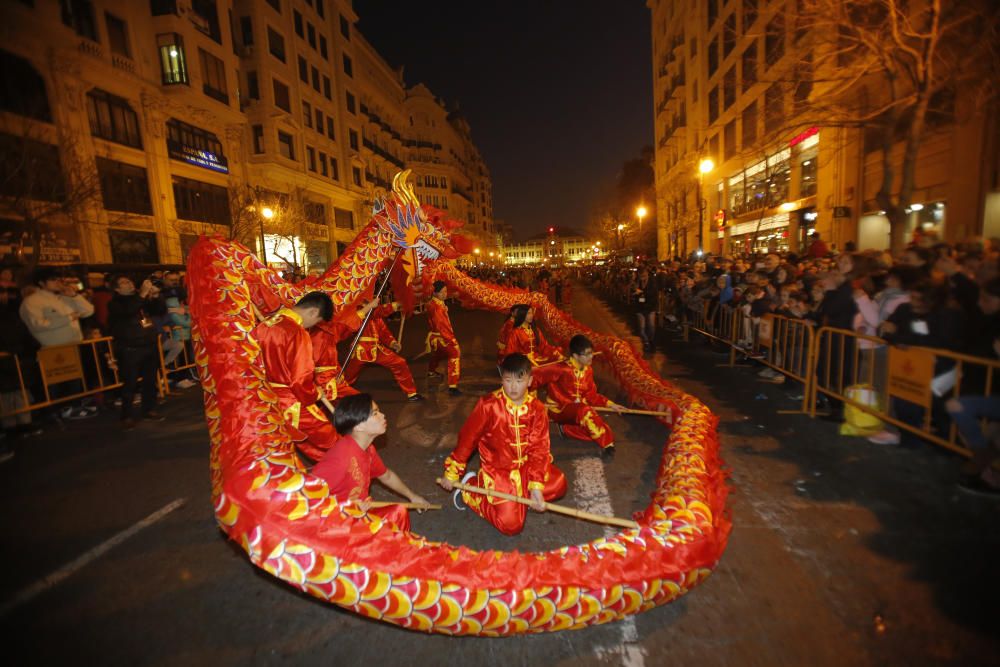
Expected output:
{"points": [[856, 420]]}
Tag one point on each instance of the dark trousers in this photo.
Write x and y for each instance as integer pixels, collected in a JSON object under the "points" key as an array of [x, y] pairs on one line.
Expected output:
{"points": [[135, 363]]}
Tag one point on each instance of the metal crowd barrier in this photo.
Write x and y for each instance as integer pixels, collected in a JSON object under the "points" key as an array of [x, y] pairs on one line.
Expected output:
{"points": [[784, 344], [64, 373], [911, 375], [183, 362]]}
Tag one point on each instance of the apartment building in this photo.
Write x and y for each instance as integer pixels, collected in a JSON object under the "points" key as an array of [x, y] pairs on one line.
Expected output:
{"points": [[168, 119], [743, 165]]}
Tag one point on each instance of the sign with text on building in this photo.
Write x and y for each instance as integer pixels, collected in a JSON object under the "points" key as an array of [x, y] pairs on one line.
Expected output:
{"points": [[197, 157], [60, 363], [911, 370]]}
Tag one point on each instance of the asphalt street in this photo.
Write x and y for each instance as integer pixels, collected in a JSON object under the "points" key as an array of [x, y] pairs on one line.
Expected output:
{"points": [[842, 553]]}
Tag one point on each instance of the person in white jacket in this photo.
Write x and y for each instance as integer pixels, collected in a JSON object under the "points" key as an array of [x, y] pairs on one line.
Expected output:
{"points": [[53, 312]]}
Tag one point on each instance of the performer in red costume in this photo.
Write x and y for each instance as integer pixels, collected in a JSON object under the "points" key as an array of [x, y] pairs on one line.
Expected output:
{"points": [[572, 395], [287, 353], [508, 324], [325, 337], [441, 341], [352, 462], [378, 346], [524, 339], [510, 429]]}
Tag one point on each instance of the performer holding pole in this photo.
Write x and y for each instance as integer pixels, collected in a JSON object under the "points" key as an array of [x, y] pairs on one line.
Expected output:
{"points": [[379, 347], [441, 341], [573, 396], [505, 330], [352, 461], [325, 337], [287, 353], [524, 339], [510, 429]]}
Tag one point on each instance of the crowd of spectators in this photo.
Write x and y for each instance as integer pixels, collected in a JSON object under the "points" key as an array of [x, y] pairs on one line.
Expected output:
{"points": [[54, 308]]}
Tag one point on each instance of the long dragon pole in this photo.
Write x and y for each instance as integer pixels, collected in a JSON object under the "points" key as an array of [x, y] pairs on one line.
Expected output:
{"points": [[368, 315]]}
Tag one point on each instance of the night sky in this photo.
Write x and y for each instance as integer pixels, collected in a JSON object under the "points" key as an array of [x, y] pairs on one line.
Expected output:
{"points": [[558, 94]]}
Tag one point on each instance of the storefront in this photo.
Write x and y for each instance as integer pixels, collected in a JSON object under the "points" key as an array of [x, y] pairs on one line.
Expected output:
{"points": [[925, 222], [768, 234]]}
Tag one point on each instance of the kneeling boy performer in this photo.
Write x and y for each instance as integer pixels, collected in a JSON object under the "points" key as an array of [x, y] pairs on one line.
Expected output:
{"points": [[572, 394], [379, 346], [352, 462], [287, 352], [441, 341], [510, 429]]}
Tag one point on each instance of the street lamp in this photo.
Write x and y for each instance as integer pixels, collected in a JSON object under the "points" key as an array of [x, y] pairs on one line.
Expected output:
{"points": [[266, 213], [704, 167], [641, 213]]}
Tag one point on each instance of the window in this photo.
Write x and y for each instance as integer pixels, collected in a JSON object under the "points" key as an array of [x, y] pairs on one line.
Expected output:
{"points": [[276, 44], [326, 88], [213, 75], [729, 36], [322, 48], [356, 176], [713, 56], [353, 139], [319, 121], [315, 78], [246, 30], [30, 169], [311, 158], [79, 15], [729, 88], [173, 65], [286, 145], [774, 39], [729, 140], [303, 70], [297, 19], [749, 66], [281, 98], [183, 138], [774, 109], [713, 147], [350, 103], [307, 116], [253, 87], [713, 105], [322, 164], [124, 187], [22, 89], [343, 218], [334, 171], [117, 35], [207, 21], [276, 4], [113, 119], [713, 13], [345, 28], [199, 201], [314, 212], [258, 139], [803, 83], [750, 124], [311, 35], [329, 127], [163, 7], [348, 66], [319, 9]]}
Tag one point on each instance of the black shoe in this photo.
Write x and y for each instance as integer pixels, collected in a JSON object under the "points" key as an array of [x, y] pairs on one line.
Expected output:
{"points": [[608, 453], [978, 486], [416, 398], [153, 416], [454, 391]]}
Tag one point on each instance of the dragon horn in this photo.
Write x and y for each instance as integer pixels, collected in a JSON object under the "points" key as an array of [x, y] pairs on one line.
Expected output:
{"points": [[403, 190]]}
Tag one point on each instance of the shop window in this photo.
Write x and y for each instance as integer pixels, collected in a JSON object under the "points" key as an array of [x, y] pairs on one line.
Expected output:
{"points": [[112, 118], [117, 35], [213, 75], [79, 15], [22, 89], [200, 201], [275, 44], [124, 187], [281, 96], [286, 145], [173, 64]]}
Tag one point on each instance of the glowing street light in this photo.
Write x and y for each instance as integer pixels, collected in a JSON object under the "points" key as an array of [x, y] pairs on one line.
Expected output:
{"points": [[704, 167], [476, 251], [267, 212]]}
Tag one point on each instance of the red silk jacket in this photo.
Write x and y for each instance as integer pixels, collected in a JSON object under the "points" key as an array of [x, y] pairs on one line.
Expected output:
{"points": [[568, 383]]}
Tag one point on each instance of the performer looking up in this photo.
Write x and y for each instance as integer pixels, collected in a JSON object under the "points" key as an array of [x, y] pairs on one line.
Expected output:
{"points": [[287, 353], [351, 463], [378, 346], [572, 394], [525, 339], [441, 341], [510, 429], [325, 337], [508, 324]]}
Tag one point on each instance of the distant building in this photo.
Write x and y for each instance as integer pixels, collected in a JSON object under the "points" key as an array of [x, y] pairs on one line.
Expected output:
{"points": [[176, 108], [561, 246]]}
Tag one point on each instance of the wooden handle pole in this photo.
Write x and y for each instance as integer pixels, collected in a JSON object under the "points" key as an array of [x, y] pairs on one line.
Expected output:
{"points": [[412, 506], [549, 363], [402, 324], [633, 411], [551, 507]]}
